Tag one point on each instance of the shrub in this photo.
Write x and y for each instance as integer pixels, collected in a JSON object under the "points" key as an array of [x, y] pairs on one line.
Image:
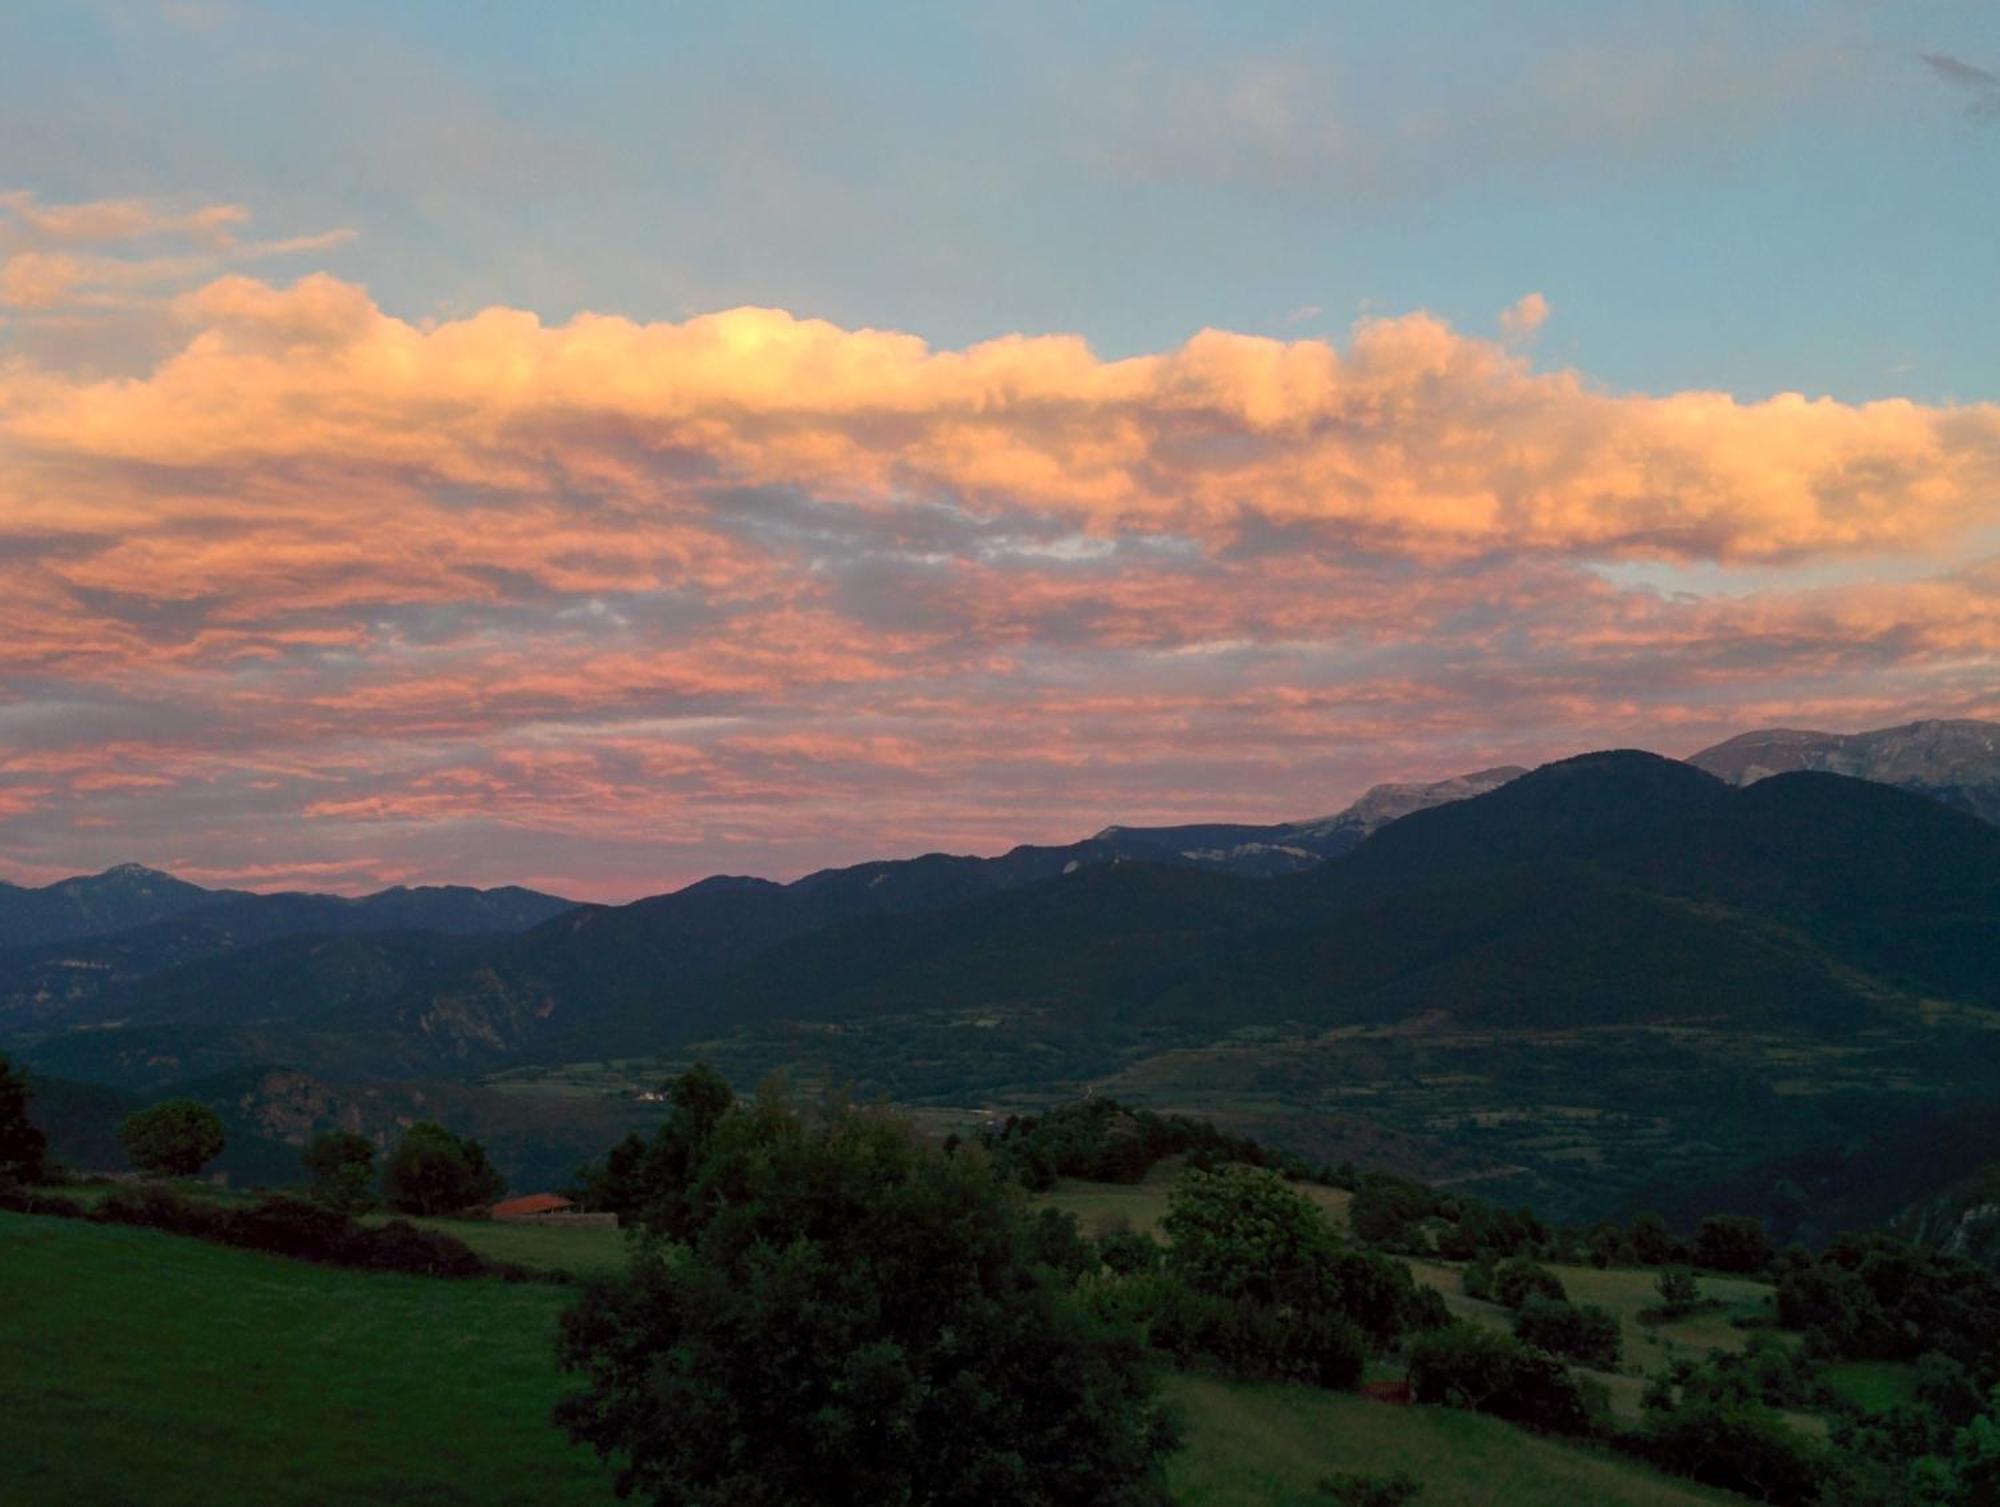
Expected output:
{"points": [[1732, 1243], [1352, 1489], [1128, 1251], [341, 1166], [294, 1227], [1469, 1366], [1737, 1445], [1055, 1241], [1587, 1335], [1476, 1281], [23, 1147], [1678, 1291], [1515, 1281]]}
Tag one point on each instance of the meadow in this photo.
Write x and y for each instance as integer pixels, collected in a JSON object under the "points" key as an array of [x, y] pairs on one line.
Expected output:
{"points": [[157, 1371], [1267, 1445], [151, 1369]]}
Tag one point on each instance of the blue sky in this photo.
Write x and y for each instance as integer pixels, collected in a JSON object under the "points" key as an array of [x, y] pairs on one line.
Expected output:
{"points": [[1753, 196]]}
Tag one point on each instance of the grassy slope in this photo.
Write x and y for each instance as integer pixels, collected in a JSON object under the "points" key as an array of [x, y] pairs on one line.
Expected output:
{"points": [[142, 1368], [539, 1247], [1099, 1207], [1267, 1446], [164, 1371]]}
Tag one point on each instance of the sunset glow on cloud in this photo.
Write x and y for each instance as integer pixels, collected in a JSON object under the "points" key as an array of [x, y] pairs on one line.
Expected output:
{"points": [[305, 592]]}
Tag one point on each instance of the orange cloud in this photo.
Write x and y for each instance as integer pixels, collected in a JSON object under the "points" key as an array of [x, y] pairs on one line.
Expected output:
{"points": [[325, 591], [1415, 438]]}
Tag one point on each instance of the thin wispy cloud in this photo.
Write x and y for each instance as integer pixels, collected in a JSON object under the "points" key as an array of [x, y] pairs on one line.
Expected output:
{"points": [[1982, 86]]}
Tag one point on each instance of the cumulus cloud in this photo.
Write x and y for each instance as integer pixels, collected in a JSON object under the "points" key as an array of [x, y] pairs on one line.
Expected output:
{"points": [[1414, 438], [607, 604]]}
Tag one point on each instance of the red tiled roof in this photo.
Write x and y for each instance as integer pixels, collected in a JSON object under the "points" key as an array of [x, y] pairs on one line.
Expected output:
{"points": [[532, 1203]]}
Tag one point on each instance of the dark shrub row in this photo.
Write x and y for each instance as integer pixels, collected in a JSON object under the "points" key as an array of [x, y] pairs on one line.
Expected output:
{"points": [[281, 1226]]}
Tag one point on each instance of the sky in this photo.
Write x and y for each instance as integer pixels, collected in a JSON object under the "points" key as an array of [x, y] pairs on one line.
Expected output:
{"points": [[600, 446]]}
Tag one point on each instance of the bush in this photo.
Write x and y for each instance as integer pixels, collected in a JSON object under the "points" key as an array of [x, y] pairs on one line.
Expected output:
{"points": [[1732, 1243], [1055, 1241], [294, 1227], [342, 1166], [1128, 1251], [1736, 1445], [1476, 1281], [1515, 1281], [1469, 1366], [1588, 1335], [23, 1147], [1678, 1291], [174, 1139], [1352, 1489]]}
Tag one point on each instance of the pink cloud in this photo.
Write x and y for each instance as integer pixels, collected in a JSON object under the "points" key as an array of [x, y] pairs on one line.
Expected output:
{"points": [[323, 591]]}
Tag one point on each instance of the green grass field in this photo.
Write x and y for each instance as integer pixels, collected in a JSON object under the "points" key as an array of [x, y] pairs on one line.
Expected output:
{"points": [[1874, 1385], [1268, 1446], [539, 1247], [1625, 1292], [1099, 1207], [150, 1370]]}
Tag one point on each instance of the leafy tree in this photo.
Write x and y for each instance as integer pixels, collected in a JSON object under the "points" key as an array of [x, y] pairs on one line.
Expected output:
{"points": [[1709, 1427], [1127, 1250], [1652, 1242], [1387, 1211], [23, 1147], [1515, 1281], [617, 1186], [1058, 1243], [342, 1168], [1732, 1243], [1588, 1335], [833, 1311], [1678, 1290], [1242, 1233], [433, 1172], [174, 1139], [1470, 1366]]}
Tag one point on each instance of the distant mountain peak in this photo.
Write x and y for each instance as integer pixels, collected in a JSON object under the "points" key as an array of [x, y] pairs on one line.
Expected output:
{"points": [[135, 871], [1955, 760]]}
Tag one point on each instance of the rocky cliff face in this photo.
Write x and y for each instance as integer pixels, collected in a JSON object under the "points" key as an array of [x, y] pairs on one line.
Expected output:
{"points": [[1963, 1221], [1956, 762]]}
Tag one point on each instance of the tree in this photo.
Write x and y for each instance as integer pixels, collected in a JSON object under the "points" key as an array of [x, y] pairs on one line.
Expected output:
{"points": [[831, 1310], [433, 1172], [1651, 1241], [1732, 1243], [342, 1166], [1243, 1233], [1587, 1335], [174, 1139], [23, 1147], [1678, 1291], [1516, 1281], [1470, 1366]]}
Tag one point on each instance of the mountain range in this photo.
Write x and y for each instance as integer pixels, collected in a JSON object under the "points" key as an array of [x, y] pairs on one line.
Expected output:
{"points": [[1611, 976]]}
